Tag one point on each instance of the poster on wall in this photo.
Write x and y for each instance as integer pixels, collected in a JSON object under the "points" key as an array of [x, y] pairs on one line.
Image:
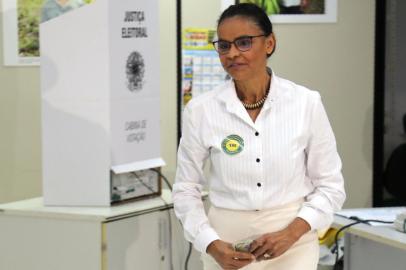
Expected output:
{"points": [[294, 11], [202, 72], [21, 19], [201, 67]]}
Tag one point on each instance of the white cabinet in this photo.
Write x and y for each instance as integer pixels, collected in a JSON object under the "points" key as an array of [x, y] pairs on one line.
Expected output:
{"points": [[130, 236], [139, 242], [372, 247], [41, 243]]}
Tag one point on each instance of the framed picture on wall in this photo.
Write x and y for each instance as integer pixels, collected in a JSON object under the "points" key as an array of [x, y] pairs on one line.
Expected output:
{"points": [[294, 11], [21, 19]]}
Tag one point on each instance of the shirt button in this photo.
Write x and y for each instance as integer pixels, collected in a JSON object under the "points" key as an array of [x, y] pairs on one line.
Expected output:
{"points": [[258, 160], [259, 184], [256, 133]]}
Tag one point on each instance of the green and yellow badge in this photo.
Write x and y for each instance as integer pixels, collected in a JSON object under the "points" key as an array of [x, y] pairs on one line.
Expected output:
{"points": [[232, 144]]}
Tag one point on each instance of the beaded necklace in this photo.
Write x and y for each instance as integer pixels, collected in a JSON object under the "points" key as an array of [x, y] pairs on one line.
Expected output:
{"points": [[259, 103]]}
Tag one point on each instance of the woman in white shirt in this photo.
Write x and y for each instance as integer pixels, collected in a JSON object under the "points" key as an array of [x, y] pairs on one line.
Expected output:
{"points": [[275, 172]]}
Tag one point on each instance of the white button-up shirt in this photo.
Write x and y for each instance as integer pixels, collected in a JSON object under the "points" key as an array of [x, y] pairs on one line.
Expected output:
{"points": [[288, 153]]}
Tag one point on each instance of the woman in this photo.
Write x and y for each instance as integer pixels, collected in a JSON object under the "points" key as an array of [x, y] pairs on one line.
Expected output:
{"points": [[275, 174]]}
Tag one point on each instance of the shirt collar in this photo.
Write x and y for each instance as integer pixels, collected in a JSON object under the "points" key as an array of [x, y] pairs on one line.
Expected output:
{"points": [[273, 90]]}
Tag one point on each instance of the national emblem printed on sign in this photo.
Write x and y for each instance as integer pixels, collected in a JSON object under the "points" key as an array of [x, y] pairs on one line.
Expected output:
{"points": [[232, 144]]}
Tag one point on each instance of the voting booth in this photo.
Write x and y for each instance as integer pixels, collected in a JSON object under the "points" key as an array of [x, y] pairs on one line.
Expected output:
{"points": [[100, 103]]}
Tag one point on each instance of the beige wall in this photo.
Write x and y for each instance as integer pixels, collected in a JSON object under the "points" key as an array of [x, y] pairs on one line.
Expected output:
{"points": [[336, 59], [20, 156]]}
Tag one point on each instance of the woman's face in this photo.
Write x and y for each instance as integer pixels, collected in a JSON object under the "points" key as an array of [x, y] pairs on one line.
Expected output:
{"points": [[249, 64]]}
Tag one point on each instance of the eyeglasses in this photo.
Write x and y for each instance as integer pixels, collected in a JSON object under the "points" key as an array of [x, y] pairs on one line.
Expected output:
{"points": [[243, 44]]}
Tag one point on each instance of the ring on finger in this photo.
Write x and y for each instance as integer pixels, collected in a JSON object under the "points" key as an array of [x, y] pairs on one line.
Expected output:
{"points": [[267, 255]]}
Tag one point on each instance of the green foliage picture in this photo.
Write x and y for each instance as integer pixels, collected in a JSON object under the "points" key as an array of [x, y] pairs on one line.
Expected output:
{"points": [[28, 25], [274, 7], [295, 11]]}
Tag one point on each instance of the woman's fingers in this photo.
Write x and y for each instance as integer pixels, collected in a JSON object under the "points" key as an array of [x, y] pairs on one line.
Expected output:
{"points": [[236, 262], [241, 259], [227, 257], [257, 243], [261, 246], [272, 245], [265, 249], [243, 256]]}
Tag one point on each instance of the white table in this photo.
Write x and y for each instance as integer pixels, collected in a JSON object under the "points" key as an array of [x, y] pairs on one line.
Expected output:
{"points": [[372, 247], [129, 236]]}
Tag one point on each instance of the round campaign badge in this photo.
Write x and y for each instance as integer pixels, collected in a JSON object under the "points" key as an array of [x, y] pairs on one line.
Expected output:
{"points": [[232, 144]]}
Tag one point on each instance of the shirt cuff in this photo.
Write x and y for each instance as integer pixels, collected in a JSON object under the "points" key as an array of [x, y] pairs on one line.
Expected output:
{"points": [[204, 238], [315, 218]]}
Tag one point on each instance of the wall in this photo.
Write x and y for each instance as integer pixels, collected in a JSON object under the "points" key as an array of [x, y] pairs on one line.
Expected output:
{"points": [[336, 59], [20, 149]]}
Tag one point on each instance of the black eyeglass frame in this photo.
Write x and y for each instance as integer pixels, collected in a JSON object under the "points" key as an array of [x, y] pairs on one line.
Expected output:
{"points": [[234, 42]]}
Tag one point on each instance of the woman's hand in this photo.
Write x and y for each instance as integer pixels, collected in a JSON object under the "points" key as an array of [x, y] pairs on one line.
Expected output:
{"points": [[272, 245], [227, 257]]}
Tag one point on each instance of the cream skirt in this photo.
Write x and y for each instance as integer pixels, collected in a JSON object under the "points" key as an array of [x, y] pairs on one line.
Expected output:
{"points": [[234, 225]]}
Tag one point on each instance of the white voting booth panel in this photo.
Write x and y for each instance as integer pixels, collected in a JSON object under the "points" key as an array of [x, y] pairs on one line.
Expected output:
{"points": [[100, 98]]}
